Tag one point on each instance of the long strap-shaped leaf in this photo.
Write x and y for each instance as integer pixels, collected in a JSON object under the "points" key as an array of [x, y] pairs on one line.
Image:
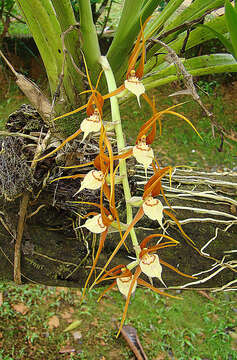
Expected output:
{"points": [[231, 19]]}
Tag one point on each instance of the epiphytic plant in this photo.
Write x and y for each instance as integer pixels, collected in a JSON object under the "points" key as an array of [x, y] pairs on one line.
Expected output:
{"points": [[104, 176]]}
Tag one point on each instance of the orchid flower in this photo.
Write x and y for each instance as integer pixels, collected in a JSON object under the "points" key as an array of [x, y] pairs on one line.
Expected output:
{"points": [[93, 121], [149, 264], [152, 188], [133, 76], [143, 153]]}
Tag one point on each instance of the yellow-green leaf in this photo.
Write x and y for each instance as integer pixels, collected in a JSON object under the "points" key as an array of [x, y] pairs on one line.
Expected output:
{"points": [[73, 325]]}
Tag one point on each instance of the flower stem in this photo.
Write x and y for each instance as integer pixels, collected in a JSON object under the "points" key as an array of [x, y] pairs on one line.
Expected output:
{"points": [[120, 144]]}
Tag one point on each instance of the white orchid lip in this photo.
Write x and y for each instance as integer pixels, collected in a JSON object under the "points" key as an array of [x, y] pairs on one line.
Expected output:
{"points": [[150, 265], [153, 208], [92, 181], [91, 124], [95, 224], [135, 86], [143, 153], [124, 284]]}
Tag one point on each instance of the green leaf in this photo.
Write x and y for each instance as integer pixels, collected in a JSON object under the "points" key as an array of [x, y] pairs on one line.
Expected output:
{"points": [[222, 39], [196, 37], [231, 19], [73, 325], [178, 18], [197, 66]]}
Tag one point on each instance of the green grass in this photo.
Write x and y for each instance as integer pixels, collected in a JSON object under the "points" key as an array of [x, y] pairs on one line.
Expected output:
{"points": [[192, 328]]}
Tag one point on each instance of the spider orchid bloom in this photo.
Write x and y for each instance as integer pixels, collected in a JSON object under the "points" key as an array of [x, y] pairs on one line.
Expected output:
{"points": [[93, 108], [132, 82], [150, 125], [124, 283], [153, 208], [91, 124], [95, 224], [150, 265], [127, 283], [134, 85], [92, 181], [133, 77], [122, 277], [98, 224], [143, 153]]}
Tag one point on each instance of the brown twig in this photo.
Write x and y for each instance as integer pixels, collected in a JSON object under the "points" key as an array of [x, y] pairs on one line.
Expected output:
{"points": [[23, 213], [187, 78]]}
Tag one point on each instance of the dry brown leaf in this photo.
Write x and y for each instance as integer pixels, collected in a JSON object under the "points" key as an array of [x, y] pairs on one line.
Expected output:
{"points": [[66, 350], [21, 308], [66, 315], [1, 335], [204, 294], [53, 322], [1, 298]]}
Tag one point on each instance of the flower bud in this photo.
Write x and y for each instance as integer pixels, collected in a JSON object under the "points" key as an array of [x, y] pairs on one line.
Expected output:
{"points": [[153, 208], [91, 124], [124, 284], [95, 224], [135, 86]]}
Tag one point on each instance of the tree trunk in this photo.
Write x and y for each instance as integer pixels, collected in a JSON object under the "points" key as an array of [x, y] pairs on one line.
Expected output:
{"points": [[55, 251]]}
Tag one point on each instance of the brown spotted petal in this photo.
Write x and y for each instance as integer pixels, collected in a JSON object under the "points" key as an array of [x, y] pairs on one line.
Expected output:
{"points": [[92, 181], [124, 283], [153, 208], [135, 86], [91, 124], [95, 224]]}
